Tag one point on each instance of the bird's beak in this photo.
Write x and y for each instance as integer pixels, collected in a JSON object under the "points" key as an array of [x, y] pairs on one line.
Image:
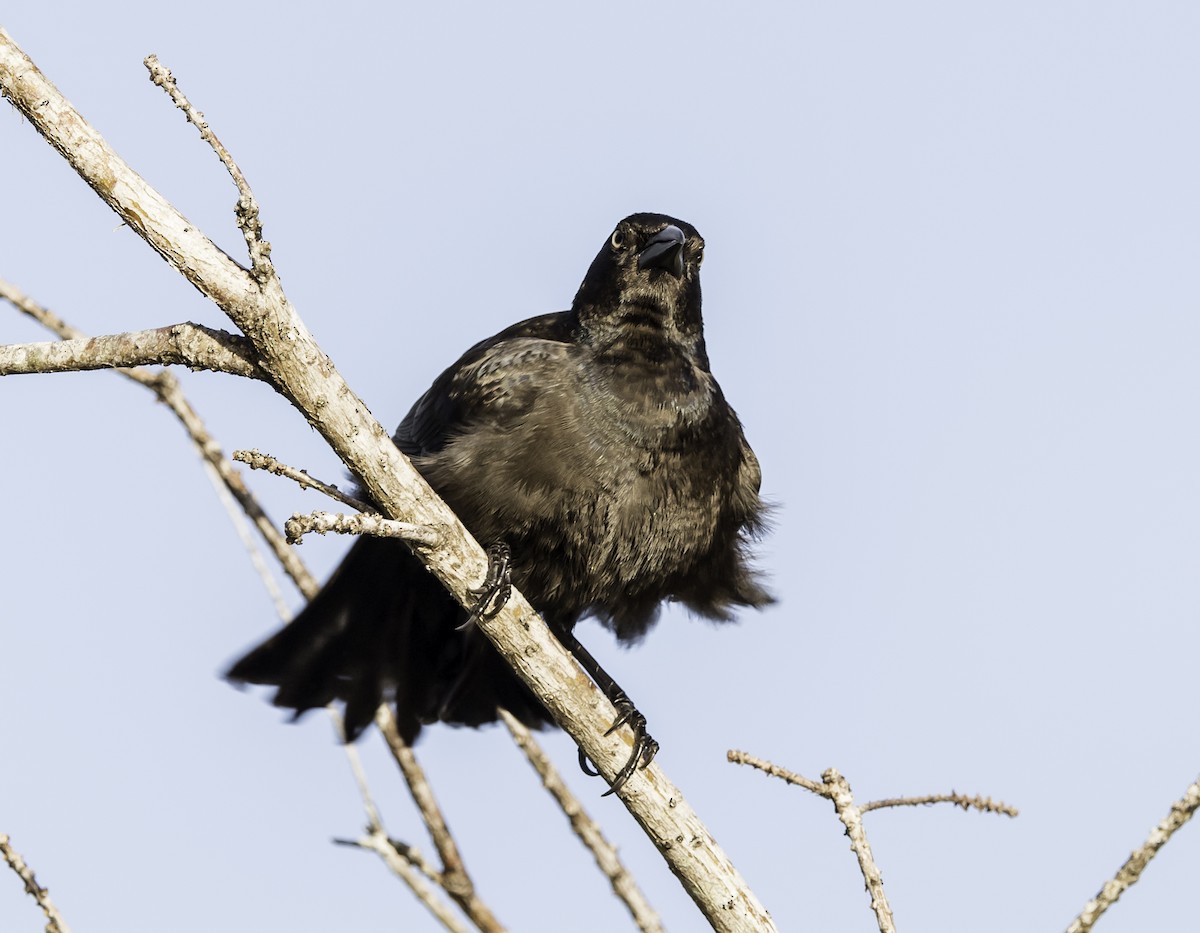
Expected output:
{"points": [[664, 251]]}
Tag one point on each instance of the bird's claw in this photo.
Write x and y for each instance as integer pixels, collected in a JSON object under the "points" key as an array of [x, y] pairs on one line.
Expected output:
{"points": [[493, 593], [644, 746]]}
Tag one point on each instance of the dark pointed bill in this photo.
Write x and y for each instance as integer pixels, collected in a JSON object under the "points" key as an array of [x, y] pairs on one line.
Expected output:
{"points": [[664, 251]]}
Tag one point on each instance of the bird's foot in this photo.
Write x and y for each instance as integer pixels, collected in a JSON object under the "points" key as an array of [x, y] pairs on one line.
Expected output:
{"points": [[491, 596], [644, 747]]}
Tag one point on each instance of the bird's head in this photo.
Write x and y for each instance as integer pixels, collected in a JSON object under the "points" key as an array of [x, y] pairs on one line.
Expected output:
{"points": [[646, 278]]}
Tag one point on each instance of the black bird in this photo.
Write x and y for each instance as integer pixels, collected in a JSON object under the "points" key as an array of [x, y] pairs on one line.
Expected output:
{"points": [[595, 447]]}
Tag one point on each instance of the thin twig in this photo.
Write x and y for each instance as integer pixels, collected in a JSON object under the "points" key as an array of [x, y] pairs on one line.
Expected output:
{"points": [[257, 460], [983, 804], [404, 861], [54, 920], [247, 207], [455, 879], [624, 885], [1181, 811], [251, 543], [743, 758], [378, 842], [420, 536], [374, 820], [837, 789]]}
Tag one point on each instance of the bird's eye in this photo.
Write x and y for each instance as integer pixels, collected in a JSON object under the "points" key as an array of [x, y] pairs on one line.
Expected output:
{"points": [[618, 239], [699, 254]]}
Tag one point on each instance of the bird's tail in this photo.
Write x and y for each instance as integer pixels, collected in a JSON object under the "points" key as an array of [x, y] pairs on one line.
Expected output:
{"points": [[384, 629]]}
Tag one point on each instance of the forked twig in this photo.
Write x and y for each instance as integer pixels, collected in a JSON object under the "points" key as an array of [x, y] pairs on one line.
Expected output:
{"points": [[454, 877], [835, 788]]}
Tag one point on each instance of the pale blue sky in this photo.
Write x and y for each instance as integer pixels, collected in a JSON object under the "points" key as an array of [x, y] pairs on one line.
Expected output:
{"points": [[950, 287]]}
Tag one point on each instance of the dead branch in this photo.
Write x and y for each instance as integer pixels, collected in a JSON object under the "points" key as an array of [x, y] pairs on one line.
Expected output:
{"points": [[983, 804], [299, 369], [835, 788], [257, 460], [229, 483]]}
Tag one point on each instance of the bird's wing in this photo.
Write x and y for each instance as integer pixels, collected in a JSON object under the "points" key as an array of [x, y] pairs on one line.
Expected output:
{"points": [[488, 381]]}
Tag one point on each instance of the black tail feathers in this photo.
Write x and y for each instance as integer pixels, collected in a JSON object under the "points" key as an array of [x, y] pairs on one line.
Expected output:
{"points": [[383, 629]]}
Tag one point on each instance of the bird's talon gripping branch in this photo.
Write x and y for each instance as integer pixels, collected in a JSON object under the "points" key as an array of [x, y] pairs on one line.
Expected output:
{"points": [[496, 588], [585, 765], [644, 746]]}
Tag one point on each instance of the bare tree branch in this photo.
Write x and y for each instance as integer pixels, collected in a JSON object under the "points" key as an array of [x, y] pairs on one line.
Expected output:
{"points": [[454, 878], [228, 483], [983, 804], [247, 207], [302, 372], [377, 526], [742, 758], [167, 388], [250, 542], [835, 788], [190, 345], [54, 920], [624, 885], [378, 842], [257, 460], [405, 864], [1181, 811]]}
